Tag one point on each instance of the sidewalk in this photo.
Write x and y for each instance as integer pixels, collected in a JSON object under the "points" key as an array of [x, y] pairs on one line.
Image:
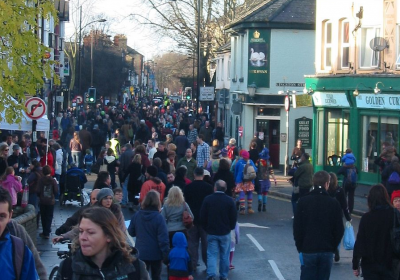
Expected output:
{"points": [[283, 189]]}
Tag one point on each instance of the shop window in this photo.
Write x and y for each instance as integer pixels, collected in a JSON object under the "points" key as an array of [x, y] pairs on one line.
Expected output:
{"points": [[368, 57], [320, 140], [337, 135], [345, 44], [378, 134], [269, 112]]}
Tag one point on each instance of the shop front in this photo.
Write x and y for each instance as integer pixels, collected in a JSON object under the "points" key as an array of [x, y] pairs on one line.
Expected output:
{"points": [[366, 121]]}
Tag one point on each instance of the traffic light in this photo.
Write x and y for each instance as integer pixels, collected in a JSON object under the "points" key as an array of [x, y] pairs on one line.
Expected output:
{"points": [[157, 91], [189, 94], [91, 95]]}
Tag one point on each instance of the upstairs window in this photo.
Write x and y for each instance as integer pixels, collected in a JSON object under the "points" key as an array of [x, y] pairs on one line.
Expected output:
{"points": [[368, 57], [345, 44], [327, 45]]}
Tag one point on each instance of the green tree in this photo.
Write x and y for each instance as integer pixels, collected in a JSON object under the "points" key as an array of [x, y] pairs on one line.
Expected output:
{"points": [[23, 62]]}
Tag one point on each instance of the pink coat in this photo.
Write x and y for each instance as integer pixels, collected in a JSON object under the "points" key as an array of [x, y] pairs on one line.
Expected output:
{"points": [[13, 185]]}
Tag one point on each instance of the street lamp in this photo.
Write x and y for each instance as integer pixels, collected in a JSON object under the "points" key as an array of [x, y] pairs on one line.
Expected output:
{"points": [[80, 51], [252, 88], [287, 108]]}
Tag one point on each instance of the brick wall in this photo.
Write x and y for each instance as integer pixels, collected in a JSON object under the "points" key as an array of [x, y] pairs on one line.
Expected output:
{"points": [[28, 220]]}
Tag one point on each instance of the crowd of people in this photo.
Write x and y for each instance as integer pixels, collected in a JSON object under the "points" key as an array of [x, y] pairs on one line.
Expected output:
{"points": [[185, 186]]}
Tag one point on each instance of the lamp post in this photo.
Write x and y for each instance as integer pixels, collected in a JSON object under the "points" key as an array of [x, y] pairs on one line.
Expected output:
{"points": [[80, 50], [287, 108]]}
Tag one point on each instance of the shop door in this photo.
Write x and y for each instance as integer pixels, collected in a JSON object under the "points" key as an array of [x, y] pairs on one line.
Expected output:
{"points": [[270, 128]]}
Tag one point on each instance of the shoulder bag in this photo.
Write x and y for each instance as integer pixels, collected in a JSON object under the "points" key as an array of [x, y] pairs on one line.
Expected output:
{"points": [[186, 218]]}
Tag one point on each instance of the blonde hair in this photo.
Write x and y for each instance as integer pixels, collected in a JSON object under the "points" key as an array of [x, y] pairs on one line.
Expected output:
{"points": [[137, 158], [171, 147], [175, 197]]}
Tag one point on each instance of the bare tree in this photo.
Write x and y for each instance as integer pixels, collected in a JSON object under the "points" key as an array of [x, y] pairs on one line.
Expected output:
{"points": [[177, 20]]}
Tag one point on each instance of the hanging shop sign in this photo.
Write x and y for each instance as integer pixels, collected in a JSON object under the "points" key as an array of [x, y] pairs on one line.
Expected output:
{"points": [[259, 58], [330, 99], [303, 132], [378, 101]]}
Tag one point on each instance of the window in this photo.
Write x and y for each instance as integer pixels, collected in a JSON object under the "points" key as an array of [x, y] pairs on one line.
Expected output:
{"points": [[378, 133], [332, 136], [222, 69], [398, 47], [345, 44], [327, 45], [229, 68], [218, 69], [368, 57]]}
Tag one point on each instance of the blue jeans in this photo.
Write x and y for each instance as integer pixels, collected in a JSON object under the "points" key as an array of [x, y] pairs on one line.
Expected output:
{"points": [[218, 244], [125, 191], [317, 266], [89, 167]]}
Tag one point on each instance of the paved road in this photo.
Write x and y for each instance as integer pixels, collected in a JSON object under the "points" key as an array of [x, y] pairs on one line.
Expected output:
{"points": [[266, 249]]}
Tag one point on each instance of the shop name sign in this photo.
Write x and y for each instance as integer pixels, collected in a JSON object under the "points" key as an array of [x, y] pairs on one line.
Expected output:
{"points": [[330, 99], [381, 101]]}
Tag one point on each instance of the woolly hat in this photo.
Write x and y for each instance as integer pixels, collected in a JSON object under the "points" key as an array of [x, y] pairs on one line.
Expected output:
{"points": [[394, 195], [152, 171], [264, 154], [224, 152], [245, 154], [103, 193]]}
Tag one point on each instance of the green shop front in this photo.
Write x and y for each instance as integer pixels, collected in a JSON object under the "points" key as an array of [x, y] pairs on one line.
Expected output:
{"points": [[357, 112]]}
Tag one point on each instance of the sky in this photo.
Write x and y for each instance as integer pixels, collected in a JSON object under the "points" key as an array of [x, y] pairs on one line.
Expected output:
{"points": [[117, 13]]}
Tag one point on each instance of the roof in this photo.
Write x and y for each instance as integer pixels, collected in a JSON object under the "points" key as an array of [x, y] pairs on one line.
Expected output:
{"points": [[277, 11], [224, 48], [133, 51]]}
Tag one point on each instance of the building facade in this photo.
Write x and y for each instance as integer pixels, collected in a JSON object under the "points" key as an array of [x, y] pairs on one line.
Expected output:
{"points": [[272, 48], [356, 86]]}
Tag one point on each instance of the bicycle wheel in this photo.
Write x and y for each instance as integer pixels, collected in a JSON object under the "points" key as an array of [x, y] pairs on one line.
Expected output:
{"points": [[53, 273]]}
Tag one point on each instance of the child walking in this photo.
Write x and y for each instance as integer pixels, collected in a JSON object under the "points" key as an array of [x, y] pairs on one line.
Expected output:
{"points": [[180, 267], [265, 171], [234, 240], [12, 183], [88, 162]]}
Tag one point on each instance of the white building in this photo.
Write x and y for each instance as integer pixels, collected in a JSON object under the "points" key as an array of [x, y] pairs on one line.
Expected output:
{"points": [[272, 48]]}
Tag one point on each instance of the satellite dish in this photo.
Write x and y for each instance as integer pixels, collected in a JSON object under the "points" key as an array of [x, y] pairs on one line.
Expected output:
{"points": [[378, 44]]}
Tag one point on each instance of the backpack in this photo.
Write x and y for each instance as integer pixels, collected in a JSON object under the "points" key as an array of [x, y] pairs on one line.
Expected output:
{"points": [[18, 255], [262, 172], [231, 152], [249, 173], [394, 178], [67, 272], [48, 191], [351, 177]]}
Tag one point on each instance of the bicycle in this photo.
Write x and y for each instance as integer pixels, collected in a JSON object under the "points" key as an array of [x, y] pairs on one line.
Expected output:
{"points": [[61, 255]]}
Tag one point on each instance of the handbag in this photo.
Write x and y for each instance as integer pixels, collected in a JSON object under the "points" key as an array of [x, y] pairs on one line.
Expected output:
{"points": [[25, 197], [95, 168], [348, 239], [395, 234], [103, 167], [186, 218]]}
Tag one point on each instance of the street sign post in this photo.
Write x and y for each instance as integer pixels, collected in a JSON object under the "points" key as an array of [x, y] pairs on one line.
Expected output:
{"points": [[79, 99], [207, 94], [35, 108], [240, 131]]}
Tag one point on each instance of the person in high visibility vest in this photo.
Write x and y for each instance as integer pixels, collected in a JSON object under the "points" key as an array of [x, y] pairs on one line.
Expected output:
{"points": [[114, 145]]}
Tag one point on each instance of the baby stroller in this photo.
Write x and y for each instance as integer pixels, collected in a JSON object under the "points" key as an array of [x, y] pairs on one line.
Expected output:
{"points": [[73, 190]]}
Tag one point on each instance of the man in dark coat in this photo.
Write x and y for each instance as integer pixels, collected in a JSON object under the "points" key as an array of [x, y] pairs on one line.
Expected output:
{"points": [[317, 229], [218, 217], [194, 194], [182, 144]]}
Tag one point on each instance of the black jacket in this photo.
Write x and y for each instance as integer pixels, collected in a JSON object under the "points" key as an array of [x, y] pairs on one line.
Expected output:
{"points": [[194, 194], [114, 267], [373, 244], [318, 225], [71, 221], [218, 214], [339, 195], [228, 178]]}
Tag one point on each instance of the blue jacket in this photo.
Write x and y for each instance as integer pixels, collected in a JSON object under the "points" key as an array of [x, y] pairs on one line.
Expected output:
{"points": [[75, 171], [349, 159], [151, 233], [239, 169], [6, 265], [179, 259]]}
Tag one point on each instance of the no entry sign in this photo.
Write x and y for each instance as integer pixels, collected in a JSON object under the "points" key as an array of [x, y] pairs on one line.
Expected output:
{"points": [[35, 108]]}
